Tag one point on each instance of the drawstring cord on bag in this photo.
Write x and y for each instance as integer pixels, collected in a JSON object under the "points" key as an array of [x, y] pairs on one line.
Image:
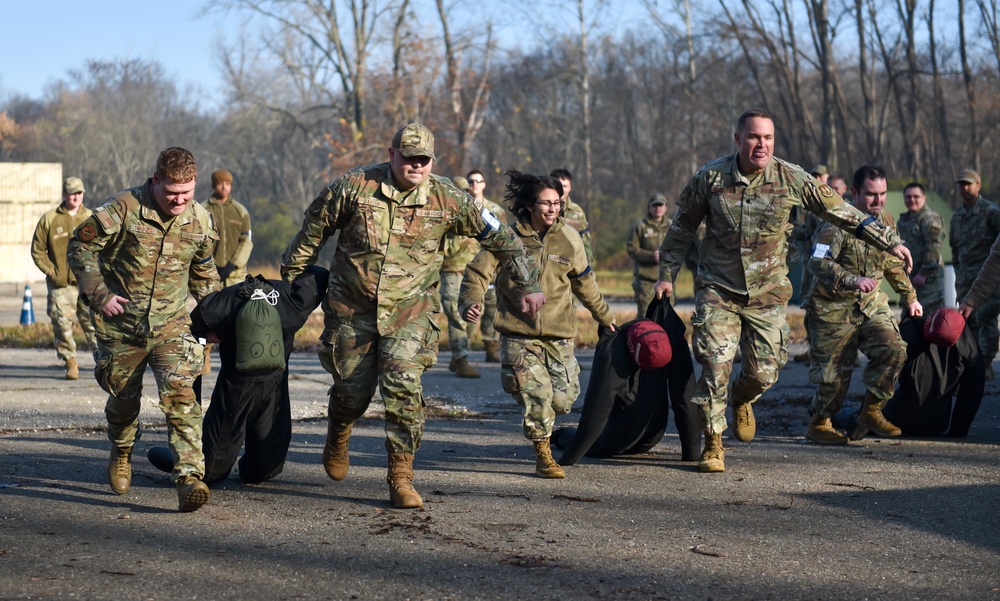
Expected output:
{"points": [[271, 297]]}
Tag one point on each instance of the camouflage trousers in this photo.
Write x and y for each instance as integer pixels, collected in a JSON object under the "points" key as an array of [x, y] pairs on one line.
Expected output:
{"points": [[723, 322], [458, 338], [643, 290], [176, 361], [983, 320], [489, 317], [360, 360], [544, 378], [833, 349], [65, 306]]}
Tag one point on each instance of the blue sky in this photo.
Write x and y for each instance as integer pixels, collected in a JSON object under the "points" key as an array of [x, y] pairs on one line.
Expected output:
{"points": [[44, 39]]}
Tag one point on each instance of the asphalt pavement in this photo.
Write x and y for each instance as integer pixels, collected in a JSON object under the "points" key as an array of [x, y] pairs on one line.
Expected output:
{"points": [[878, 519]]}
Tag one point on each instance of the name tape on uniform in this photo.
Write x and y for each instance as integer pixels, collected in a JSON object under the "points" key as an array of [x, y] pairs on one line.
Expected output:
{"points": [[820, 251]]}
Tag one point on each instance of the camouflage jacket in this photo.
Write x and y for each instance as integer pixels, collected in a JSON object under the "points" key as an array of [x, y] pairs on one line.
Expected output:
{"points": [[987, 283], [923, 233], [643, 242], [459, 250], [385, 270], [748, 225], [49, 244], [838, 261], [563, 274], [973, 231], [127, 248], [577, 219], [805, 223], [232, 221]]}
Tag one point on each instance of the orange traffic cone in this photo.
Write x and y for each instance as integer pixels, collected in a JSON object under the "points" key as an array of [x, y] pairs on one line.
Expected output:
{"points": [[27, 309]]}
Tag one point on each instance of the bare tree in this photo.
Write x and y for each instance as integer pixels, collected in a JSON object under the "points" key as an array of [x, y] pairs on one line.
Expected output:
{"points": [[468, 87], [970, 87], [324, 46], [988, 11]]}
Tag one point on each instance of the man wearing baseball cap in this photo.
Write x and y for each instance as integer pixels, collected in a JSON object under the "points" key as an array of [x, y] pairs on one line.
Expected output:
{"points": [[382, 296], [48, 250], [974, 227], [643, 246], [232, 220]]}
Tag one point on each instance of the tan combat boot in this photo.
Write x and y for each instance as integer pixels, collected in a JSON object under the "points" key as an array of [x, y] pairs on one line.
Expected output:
{"points": [[713, 457], [462, 368], [192, 493], [821, 431], [746, 426], [335, 457], [492, 351], [72, 369], [545, 465], [400, 480], [871, 419], [120, 469]]}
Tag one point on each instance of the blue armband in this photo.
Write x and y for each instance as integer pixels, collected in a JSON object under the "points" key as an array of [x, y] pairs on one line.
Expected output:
{"points": [[863, 225]]}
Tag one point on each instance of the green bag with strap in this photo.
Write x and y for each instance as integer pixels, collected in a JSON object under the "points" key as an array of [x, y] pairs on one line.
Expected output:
{"points": [[260, 347]]}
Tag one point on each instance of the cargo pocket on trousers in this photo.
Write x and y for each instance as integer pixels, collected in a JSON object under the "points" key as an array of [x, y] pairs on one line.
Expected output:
{"points": [[511, 359], [326, 354], [102, 371]]}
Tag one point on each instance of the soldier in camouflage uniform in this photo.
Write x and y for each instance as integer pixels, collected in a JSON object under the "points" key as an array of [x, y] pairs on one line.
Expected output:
{"points": [[643, 246], [974, 227], [491, 341], [573, 213], [48, 250], [806, 223], [922, 231], [847, 312], [458, 251], [984, 287], [137, 258], [539, 367], [742, 287], [232, 220], [382, 296]]}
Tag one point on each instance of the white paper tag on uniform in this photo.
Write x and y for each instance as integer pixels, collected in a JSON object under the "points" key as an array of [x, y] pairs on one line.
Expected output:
{"points": [[820, 251], [490, 219]]}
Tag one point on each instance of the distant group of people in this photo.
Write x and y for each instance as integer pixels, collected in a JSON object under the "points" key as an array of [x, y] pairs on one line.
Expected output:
{"points": [[407, 236]]}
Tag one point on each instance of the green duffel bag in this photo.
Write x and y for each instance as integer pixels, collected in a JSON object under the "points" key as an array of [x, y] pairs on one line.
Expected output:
{"points": [[260, 347]]}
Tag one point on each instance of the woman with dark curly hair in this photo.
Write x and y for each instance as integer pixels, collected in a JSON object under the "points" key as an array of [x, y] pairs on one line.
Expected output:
{"points": [[539, 367]]}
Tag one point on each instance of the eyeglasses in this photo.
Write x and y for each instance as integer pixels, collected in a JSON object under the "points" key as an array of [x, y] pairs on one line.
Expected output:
{"points": [[546, 205], [477, 181]]}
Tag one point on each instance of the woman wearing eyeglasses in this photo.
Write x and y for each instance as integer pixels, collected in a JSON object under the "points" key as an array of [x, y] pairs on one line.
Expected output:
{"points": [[539, 367]]}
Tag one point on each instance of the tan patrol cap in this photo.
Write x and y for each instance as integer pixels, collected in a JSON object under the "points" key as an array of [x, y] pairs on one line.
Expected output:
{"points": [[657, 199], [461, 183], [414, 140], [73, 185], [968, 176], [819, 170]]}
